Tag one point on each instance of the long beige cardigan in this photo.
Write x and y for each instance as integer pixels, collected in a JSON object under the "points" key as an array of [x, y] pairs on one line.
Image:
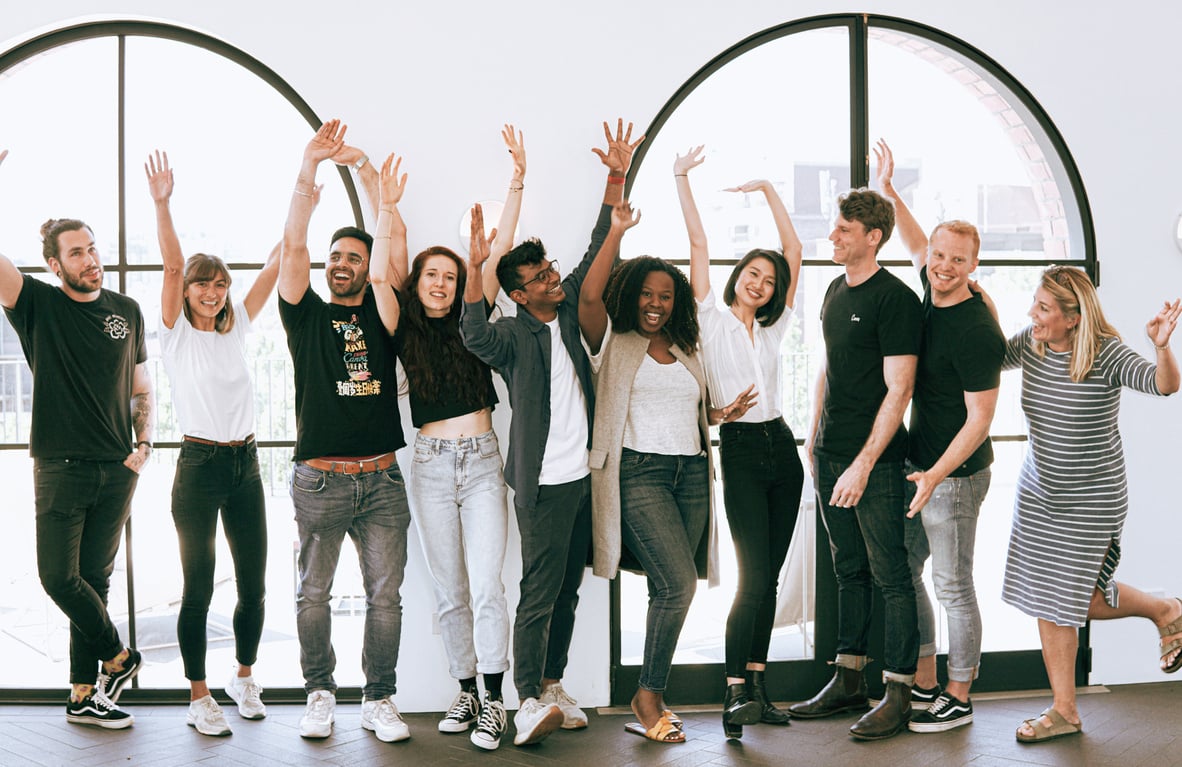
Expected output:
{"points": [[613, 389]]}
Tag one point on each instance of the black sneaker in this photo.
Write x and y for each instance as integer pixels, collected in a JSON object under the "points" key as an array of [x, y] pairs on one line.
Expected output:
{"points": [[98, 710], [462, 714], [945, 713], [921, 699], [490, 726], [112, 684]]}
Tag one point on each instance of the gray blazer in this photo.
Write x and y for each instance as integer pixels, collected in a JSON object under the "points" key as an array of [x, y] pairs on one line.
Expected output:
{"points": [[613, 388]]}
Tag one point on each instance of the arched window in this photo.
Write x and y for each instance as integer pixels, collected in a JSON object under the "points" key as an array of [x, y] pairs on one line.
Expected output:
{"points": [[801, 105], [84, 106]]}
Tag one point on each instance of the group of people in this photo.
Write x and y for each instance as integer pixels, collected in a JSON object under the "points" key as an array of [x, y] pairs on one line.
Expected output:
{"points": [[615, 374]]}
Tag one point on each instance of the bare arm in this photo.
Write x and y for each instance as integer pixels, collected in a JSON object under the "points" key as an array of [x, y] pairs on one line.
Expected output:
{"points": [[789, 241], [980, 406], [908, 228], [592, 312], [618, 159], [143, 417], [295, 260], [898, 372], [503, 243], [389, 244], [160, 185], [11, 280], [1159, 329], [367, 174], [264, 283], [815, 421], [699, 247]]}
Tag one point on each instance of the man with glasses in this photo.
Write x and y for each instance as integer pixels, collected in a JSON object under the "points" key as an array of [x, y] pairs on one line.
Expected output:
{"points": [[541, 358]]}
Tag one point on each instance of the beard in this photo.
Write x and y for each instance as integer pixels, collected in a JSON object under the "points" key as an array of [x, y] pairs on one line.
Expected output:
{"points": [[78, 284]]}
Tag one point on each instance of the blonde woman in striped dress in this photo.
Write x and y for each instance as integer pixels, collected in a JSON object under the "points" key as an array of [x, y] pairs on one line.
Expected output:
{"points": [[1072, 495]]}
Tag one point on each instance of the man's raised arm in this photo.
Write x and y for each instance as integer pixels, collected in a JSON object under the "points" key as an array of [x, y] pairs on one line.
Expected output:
{"points": [[11, 280], [908, 228], [295, 261]]}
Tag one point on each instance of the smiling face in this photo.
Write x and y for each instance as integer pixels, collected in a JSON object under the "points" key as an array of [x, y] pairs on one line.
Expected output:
{"points": [[78, 264], [347, 268], [1051, 325], [542, 288], [437, 285], [656, 302], [951, 259], [206, 298], [755, 283], [852, 243]]}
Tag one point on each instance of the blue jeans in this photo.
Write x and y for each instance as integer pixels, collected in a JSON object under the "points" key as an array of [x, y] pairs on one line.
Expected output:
{"points": [[555, 538], [664, 510], [459, 506], [82, 507], [762, 477], [371, 508], [946, 530], [213, 479], [867, 542]]}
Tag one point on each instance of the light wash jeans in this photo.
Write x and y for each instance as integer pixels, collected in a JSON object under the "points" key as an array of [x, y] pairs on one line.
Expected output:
{"points": [[371, 509], [458, 491], [947, 530]]}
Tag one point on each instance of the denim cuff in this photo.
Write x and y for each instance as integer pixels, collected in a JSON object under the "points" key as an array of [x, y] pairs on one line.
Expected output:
{"points": [[893, 676], [856, 662], [927, 650], [963, 674]]}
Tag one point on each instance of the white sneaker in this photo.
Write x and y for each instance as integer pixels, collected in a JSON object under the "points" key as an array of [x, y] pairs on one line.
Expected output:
{"points": [[318, 716], [206, 715], [462, 713], [573, 717], [490, 726], [381, 717], [535, 720], [243, 691]]}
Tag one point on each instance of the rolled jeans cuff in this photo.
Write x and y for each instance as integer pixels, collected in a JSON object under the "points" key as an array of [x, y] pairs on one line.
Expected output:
{"points": [[894, 676], [927, 650], [855, 662], [963, 674]]}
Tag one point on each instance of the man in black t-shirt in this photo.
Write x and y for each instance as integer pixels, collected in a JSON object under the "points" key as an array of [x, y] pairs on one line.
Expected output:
{"points": [[948, 462], [91, 394], [871, 324], [346, 480]]}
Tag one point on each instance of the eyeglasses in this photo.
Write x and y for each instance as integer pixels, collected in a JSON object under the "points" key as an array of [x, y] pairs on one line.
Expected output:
{"points": [[551, 269]]}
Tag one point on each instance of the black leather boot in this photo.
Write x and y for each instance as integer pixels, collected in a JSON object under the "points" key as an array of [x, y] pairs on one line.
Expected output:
{"points": [[738, 710], [769, 714], [889, 717], [846, 691]]}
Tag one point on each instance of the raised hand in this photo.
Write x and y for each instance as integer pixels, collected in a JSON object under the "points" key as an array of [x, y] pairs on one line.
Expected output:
{"points": [[515, 141], [327, 141], [391, 186], [1163, 323], [692, 158], [159, 176], [618, 156], [755, 185], [347, 155], [739, 406], [479, 246], [623, 217], [886, 165]]}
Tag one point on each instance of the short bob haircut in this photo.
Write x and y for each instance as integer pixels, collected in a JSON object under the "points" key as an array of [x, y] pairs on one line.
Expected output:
{"points": [[205, 268], [769, 313]]}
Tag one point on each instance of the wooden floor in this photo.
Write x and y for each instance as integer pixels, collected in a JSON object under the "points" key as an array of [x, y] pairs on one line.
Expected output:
{"points": [[1125, 726]]}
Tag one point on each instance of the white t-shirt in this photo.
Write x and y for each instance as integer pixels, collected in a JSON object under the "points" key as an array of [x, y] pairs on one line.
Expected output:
{"points": [[211, 387], [566, 456], [663, 410], [733, 360]]}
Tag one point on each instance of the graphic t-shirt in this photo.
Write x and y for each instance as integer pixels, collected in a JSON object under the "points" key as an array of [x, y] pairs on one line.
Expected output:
{"points": [[83, 357], [346, 394]]}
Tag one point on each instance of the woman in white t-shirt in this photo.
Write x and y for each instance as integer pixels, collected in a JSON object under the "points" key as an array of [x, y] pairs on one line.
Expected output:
{"points": [[762, 474], [203, 337]]}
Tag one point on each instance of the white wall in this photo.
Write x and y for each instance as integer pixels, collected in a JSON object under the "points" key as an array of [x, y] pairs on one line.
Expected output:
{"points": [[434, 81]]}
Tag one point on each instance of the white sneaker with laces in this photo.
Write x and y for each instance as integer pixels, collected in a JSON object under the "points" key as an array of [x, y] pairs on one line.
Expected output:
{"points": [[463, 712], [246, 693], [381, 717], [206, 715], [490, 726], [573, 717], [535, 720], [318, 715]]}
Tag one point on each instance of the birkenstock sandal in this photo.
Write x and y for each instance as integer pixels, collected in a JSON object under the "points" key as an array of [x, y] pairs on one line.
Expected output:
{"points": [[1175, 644], [1060, 728], [662, 732]]}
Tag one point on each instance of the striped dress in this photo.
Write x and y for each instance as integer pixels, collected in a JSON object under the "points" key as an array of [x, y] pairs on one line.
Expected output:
{"points": [[1072, 495]]}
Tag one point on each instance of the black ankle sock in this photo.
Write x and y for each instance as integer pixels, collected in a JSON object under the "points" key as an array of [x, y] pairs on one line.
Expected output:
{"points": [[492, 685], [469, 685]]}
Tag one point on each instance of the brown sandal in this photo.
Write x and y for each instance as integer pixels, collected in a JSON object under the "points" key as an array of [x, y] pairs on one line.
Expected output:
{"points": [[1060, 728], [1170, 629], [662, 732]]}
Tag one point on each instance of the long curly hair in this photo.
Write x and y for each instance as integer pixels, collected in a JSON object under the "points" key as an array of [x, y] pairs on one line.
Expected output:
{"points": [[432, 352], [622, 297]]}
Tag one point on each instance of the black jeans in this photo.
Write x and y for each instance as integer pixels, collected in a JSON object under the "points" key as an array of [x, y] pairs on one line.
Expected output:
{"points": [[82, 507], [555, 536], [762, 477], [211, 479]]}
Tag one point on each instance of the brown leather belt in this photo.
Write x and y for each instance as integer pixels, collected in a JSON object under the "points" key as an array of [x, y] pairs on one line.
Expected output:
{"points": [[346, 466], [231, 443]]}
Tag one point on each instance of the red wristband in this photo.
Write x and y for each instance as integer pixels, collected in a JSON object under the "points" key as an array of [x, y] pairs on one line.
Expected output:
{"points": [[616, 179]]}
